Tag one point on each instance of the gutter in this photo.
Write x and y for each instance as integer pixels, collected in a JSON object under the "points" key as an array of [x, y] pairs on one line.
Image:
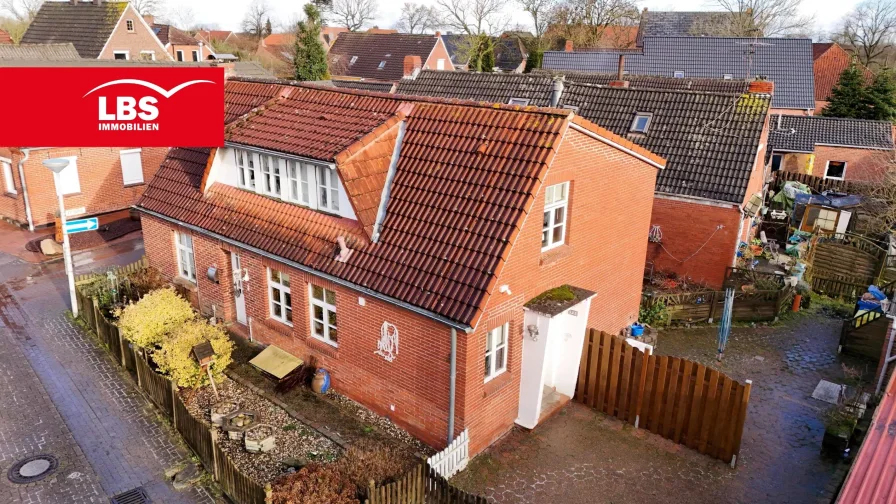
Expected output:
{"points": [[301, 267], [616, 145], [27, 153]]}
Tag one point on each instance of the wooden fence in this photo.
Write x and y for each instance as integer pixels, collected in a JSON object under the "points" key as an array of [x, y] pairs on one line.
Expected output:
{"points": [[420, 485], [818, 184], [706, 306], [236, 485], [197, 435], [678, 399], [453, 459], [134, 267]]}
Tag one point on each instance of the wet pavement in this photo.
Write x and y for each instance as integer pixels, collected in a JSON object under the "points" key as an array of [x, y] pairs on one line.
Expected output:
{"points": [[61, 394], [581, 456]]}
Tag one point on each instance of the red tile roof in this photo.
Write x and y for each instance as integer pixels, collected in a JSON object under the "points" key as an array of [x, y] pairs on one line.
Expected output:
{"points": [[372, 49], [5, 38], [830, 61], [241, 97], [872, 477], [466, 177]]}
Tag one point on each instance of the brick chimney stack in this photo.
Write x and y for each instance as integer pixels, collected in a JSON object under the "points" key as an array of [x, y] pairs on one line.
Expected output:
{"points": [[412, 66], [568, 47], [762, 87], [619, 83], [620, 71]]}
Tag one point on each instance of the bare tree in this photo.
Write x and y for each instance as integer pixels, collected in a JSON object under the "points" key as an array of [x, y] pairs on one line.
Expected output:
{"points": [[541, 12], [256, 17], [481, 22], [869, 30], [181, 16], [587, 22], [763, 18], [417, 18], [353, 14], [149, 7], [21, 10]]}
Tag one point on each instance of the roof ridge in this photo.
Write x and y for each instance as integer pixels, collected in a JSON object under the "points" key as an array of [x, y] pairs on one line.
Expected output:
{"points": [[813, 117], [681, 91]]}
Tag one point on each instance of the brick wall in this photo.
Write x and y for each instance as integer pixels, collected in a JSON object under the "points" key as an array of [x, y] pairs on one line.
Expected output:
{"points": [[141, 39], [863, 165], [604, 250], [438, 52], [188, 52], [99, 174]]}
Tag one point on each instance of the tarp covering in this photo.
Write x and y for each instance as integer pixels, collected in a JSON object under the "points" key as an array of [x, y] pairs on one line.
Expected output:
{"points": [[276, 362]]}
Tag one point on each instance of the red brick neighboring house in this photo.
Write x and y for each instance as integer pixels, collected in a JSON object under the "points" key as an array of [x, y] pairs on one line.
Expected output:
{"points": [[829, 61], [179, 44], [5, 38], [398, 239], [217, 36], [386, 57], [98, 30]]}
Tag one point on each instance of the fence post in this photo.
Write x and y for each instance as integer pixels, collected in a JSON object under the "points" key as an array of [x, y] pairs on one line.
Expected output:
{"points": [[741, 418], [173, 404], [121, 349], [215, 454]]}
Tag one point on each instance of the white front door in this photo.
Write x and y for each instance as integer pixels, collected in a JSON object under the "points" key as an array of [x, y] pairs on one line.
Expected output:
{"points": [[239, 297]]}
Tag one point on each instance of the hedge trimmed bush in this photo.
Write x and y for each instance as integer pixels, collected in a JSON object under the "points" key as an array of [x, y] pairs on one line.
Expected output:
{"points": [[174, 358], [149, 321], [314, 484]]}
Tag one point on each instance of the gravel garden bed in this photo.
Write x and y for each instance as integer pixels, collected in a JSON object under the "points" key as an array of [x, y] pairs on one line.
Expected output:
{"points": [[293, 439]]}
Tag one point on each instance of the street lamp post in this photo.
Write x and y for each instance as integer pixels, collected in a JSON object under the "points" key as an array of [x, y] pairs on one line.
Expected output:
{"points": [[56, 166]]}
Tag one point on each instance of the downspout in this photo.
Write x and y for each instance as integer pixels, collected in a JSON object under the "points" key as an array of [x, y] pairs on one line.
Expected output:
{"points": [[27, 153], [452, 384]]}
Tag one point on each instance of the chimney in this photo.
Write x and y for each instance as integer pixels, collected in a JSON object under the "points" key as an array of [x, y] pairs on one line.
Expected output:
{"points": [[412, 66], [438, 34], [761, 87], [558, 90], [620, 71], [568, 47], [149, 18], [619, 83]]}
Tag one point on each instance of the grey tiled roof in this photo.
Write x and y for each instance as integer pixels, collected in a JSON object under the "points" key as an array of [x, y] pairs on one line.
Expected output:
{"points": [[791, 133], [365, 85], [487, 87], [508, 56], [251, 69], [85, 24], [38, 52], [709, 140], [655, 81], [677, 24], [786, 62]]}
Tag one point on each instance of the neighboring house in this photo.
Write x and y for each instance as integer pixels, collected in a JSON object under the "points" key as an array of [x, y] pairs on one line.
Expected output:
{"points": [[386, 56], [510, 54], [210, 37], [364, 85], [388, 237], [180, 45], [608, 37], [714, 142], [680, 24], [786, 62], [276, 53], [98, 30], [329, 34], [5, 38], [247, 69], [830, 60], [38, 53], [832, 147], [97, 181]]}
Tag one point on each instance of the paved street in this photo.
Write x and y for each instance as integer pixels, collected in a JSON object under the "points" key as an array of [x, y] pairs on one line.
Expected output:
{"points": [[581, 456], [61, 394]]}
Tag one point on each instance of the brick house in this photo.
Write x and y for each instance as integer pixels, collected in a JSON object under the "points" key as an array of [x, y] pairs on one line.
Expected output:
{"points": [[98, 30], [708, 177], [388, 237], [180, 45], [832, 147], [386, 57], [829, 61], [97, 181]]}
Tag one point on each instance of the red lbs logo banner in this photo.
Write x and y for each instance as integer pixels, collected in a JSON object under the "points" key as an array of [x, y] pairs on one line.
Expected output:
{"points": [[112, 107]]}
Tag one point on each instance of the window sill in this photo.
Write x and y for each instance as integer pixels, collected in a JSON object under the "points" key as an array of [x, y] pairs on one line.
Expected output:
{"points": [[276, 325], [135, 184], [321, 346], [555, 254], [72, 195], [496, 384], [11, 195], [185, 283]]}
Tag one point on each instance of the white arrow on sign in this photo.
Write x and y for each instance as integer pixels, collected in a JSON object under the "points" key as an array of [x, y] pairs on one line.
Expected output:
{"points": [[81, 225]]}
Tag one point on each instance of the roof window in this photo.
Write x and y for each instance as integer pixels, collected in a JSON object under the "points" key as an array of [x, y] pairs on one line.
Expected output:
{"points": [[641, 122], [130, 25], [678, 74], [382, 65], [727, 76], [354, 59], [518, 101], [572, 107]]}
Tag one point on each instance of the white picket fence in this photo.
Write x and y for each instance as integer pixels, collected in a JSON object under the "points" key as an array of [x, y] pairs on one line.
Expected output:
{"points": [[454, 458]]}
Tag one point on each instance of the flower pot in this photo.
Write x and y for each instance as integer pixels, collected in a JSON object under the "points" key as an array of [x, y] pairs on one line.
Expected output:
{"points": [[321, 382], [797, 299]]}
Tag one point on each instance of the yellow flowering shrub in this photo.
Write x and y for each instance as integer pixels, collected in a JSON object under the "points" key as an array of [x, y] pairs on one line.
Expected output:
{"points": [[175, 358], [148, 321]]}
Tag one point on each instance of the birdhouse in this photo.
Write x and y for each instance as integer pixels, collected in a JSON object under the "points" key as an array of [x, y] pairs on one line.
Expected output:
{"points": [[204, 353]]}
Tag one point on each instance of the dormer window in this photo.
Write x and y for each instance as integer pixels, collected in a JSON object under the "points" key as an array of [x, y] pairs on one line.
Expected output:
{"points": [[245, 163], [353, 60], [315, 186], [382, 65], [270, 175], [678, 74], [641, 123], [130, 25], [518, 101]]}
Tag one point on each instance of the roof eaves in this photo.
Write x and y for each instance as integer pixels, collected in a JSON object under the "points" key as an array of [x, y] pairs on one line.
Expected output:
{"points": [[589, 128]]}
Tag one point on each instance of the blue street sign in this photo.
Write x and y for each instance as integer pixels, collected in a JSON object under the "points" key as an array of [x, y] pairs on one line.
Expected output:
{"points": [[81, 225]]}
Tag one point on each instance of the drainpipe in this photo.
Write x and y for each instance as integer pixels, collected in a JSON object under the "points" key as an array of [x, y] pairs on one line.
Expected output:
{"points": [[452, 383], [27, 153]]}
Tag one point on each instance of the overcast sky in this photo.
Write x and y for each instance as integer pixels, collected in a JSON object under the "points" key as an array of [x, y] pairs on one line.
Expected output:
{"points": [[228, 13]]}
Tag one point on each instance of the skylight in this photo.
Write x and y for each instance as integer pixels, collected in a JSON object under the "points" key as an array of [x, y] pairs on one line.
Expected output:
{"points": [[641, 123], [354, 59], [518, 101], [678, 74], [382, 65]]}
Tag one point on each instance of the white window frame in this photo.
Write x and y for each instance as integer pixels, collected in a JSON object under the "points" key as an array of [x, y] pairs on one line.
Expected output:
{"points": [[277, 285], [69, 179], [678, 74], [641, 115], [133, 179], [9, 182], [271, 176], [247, 170], [152, 55], [326, 308], [195, 54], [440, 64], [727, 76], [492, 347], [179, 55], [518, 101], [289, 180], [129, 24], [550, 206], [127, 55], [827, 166], [299, 181], [382, 65], [329, 187], [186, 258]]}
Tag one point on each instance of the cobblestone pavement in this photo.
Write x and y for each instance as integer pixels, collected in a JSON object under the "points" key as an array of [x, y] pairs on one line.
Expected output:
{"points": [[63, 395], [581, 456]]}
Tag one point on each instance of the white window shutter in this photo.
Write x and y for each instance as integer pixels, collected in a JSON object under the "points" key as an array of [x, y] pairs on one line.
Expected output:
{"points": [[131, 167]]}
